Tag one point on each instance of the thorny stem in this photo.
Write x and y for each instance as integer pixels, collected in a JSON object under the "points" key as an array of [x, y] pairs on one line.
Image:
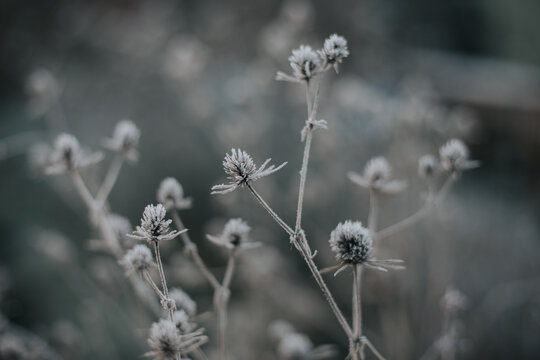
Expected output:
{"points": [[418, 215], [110, 180], [194, 251], [162, 278], [222, 300], [272, 213]]}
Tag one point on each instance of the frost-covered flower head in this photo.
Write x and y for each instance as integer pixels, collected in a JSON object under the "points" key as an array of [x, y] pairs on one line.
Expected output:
{"points": [[294, 346], [234, 236], [138, 259], [167, 343], [183, 301], [181, 320], [241, 170], [427, 166], [125, 140], [305, 62], [121, 227], [171, 194], [376, 176], [154, 226], [67, 155], [453, 300], [455, 156], [43, 90], [334, 51], [352, 244]]}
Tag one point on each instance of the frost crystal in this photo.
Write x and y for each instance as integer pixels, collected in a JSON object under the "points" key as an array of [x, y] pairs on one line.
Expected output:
{"points": [[154, 227], [455, 156], [234, 236], [171, 194], [305, 62], [125, 140], [183, 301], [138, 259], [67, 155], [241, 170], [334, 51], [427, 166], [351, 242], [376, 176]]}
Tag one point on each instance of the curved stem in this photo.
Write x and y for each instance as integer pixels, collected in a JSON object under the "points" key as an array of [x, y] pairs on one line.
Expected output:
{"points": [[194, 251], [418, 215], [272, 213]]}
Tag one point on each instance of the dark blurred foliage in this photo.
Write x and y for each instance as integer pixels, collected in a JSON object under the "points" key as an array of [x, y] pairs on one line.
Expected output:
{"points": [[197, 78]]}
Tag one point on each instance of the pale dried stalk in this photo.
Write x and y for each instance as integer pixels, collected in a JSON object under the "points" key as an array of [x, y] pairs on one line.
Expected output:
{"points": [[164, 288], [193, 250], [110, 180], [418, 215], [221, 306], [357, 307]]}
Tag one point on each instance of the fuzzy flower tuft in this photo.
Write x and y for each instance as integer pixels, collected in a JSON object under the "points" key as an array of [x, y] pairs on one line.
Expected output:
{"points": [[125, 140], [376, 177], [241, 170], [455, 156], [138, 259], [67, 155], [427, 166], [334, 51], [183, 301], [352, 244], [453, 300], [154, 227], [234, 236], [167, 343], [305, 62], [294, 346], [171, 194]]}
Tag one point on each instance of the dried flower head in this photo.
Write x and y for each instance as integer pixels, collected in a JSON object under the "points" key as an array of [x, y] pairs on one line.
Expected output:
{"points": [[67, 155], [167, 343], [125, 140], [138, 259], [164, 341], [121, 227], [181, 320], [427, 166], [334, 51], [154, 227], [305, 62], [453, 300], [234, 236], [171, 194], [352, 244], [241, 170], [43, 90], [455, 156], [183, 301], [376, 177], [294, 346]]}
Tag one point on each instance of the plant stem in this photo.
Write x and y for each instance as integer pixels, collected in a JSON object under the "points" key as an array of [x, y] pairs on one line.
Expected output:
{"points": [[303, 175], [373, 211], [164, 288], [221, 306], [194, 251], [357, 309], [280, 222], [110, 180], [418, 215]]}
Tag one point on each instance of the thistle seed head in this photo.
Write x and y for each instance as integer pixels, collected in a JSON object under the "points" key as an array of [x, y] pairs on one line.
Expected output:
{"points": [[376, 176], [171, 194], [234, 236], [427, 166], [351, 242], [334, 51], [164, 341], [125, 139], [455, 156], [138, 259], [305, 62], [67, 151], [154, 226]]}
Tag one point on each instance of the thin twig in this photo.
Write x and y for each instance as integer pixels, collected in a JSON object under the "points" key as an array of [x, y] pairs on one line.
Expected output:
{"points": [[194, 251], [221, 306], [418, 215], [110, 180], [162, 277], [272, 213], [373, 211], [366, 341]]}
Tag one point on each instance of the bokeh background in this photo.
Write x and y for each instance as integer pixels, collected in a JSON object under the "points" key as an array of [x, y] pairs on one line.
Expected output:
{"points": [[197, 78]]}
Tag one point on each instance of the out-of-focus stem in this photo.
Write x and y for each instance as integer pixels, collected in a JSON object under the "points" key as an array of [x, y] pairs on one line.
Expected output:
{"points": [[110, 180], [194, 251], [221, 306], [373, 211], [418, 215]]}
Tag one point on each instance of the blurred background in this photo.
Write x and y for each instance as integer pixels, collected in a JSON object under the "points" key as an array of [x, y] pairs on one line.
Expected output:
{"points": [[197, 77]]}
